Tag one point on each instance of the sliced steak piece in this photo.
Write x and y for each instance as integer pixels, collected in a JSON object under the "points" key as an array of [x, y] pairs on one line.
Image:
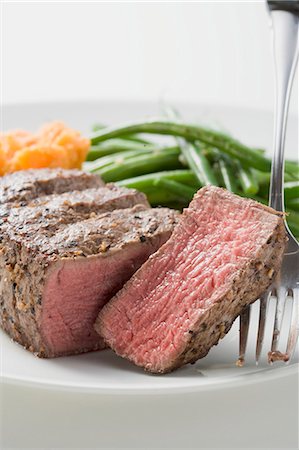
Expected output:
{"points": [[113, 196], [222, 255], [51, 289], [25, 185], [49, 213]]}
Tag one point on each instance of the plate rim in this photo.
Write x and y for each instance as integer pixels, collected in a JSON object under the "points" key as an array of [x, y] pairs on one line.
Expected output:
{"points": [[154, 102], [231, 382]]}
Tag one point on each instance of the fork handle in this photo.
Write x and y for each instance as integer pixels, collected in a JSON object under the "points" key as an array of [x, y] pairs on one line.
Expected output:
{"points": [[285, 45], [284, 5]]}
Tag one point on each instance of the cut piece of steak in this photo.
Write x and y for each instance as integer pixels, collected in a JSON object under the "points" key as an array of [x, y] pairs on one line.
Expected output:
{"points": [[52, 287], [49, 213], [113, 196], [221, 256], [26, 185]]}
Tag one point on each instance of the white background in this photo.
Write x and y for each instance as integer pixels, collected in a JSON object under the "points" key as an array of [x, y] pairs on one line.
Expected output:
{"points": [[204, 52]]}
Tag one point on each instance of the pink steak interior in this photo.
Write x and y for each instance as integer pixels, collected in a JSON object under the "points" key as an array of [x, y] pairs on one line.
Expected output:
{"points": [[76, 290]]}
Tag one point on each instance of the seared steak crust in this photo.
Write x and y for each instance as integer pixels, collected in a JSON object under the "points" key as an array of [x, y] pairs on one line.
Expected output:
{"points": [[25, 185], [47, 214]]}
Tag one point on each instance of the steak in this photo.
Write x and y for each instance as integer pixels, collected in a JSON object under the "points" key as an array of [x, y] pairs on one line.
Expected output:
{"points": [[26, 185], [222, 256], [48, 213], [64, 255]]}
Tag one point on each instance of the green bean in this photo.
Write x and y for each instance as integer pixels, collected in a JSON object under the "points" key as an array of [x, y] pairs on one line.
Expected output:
{"points": [[293, 216], [137, 138], [169, 159], [132, 160], [206, 174], [148, 184], [247, 181], [197, 162], [98, 127], [293, 204], [293, 222], [144, 181], [259, 199], [255, 197], [114, 158], [155, 196], [183, 193], [228, 175], [115, 146], [212, 154], [291, 190], [292, 168], [164, 198], [263, 178], [294, 229], [247, 156], [193, 155], [130, 137], [260, 150], [121, 157]]}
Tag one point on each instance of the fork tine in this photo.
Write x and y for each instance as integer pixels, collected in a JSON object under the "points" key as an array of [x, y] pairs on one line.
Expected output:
{"points": [[244, 327], [279, 311], [294, 328], [261, 327]]}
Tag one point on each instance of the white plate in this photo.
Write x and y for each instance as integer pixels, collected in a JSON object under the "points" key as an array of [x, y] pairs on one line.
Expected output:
{"points": [[104, 372]]}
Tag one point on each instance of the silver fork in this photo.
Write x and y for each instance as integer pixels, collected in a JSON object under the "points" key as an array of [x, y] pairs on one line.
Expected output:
{"points": [[285, 15]]}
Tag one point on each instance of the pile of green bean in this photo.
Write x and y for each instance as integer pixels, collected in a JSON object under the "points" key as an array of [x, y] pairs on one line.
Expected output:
{"points": [[170, 174]]}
